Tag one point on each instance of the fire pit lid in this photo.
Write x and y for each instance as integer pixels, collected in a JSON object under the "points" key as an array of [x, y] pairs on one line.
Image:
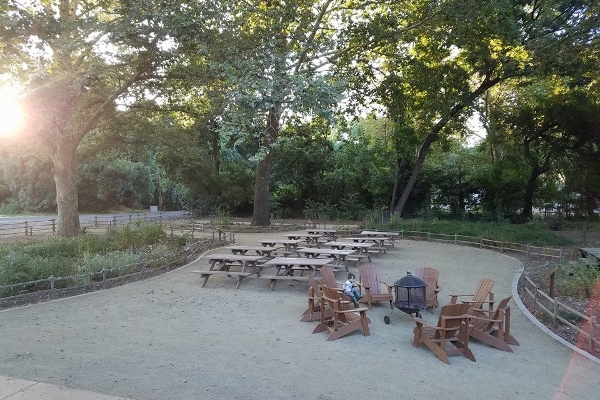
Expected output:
{"points": [[410, 281]]}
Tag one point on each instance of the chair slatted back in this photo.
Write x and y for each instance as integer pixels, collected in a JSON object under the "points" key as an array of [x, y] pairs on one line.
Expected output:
{"points": [[430, 276], [451, 325], [328, 277], [482, 292], [368, 275]]}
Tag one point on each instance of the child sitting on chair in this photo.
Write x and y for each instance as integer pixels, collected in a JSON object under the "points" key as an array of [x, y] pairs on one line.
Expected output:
{"points": [[352, 291]]}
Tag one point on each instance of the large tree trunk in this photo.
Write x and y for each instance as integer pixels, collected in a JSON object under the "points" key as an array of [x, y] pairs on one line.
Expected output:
{"points": [[432, 136], [417, 168], [396, 184], [261, 215], [527, 212], [66, 193]]}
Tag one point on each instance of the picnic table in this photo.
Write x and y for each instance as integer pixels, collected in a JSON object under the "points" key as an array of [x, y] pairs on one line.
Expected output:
{"points": [[338, 255], [382, 234], [220, 264], [285, 267], [265, 251], [290, 244], [329, 233], [309, 238], [381, 242], [362, 249], [591, 253]]}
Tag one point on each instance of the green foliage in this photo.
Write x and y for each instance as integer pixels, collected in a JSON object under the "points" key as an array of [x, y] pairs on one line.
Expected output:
{"points": [[91, 262], [533, 233], [137, 235], [578, 281], [21, 262]]}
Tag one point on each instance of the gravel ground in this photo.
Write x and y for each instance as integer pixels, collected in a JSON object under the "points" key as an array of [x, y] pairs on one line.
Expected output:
{"points": [[167, 338]]}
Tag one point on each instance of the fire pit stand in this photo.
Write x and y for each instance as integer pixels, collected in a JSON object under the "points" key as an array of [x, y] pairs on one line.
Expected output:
{"points": [[409, 296]]}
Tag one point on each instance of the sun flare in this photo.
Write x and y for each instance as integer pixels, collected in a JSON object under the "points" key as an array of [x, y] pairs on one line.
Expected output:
{"points": [[11, 115]]}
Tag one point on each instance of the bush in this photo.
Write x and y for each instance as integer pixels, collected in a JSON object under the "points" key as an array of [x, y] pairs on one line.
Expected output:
{"points": [[577, 281], [23, 262]]}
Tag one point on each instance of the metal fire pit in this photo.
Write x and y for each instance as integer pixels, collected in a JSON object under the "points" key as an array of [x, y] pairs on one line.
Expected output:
{"points": [[410, 295]]}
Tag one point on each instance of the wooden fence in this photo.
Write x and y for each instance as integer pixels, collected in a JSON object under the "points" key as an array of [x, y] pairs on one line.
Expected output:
{"points": [[40, 227], [589, 327], [56, 287], [481, 242]]}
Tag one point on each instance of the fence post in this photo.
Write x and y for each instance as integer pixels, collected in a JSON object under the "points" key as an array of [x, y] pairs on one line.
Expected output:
{"points": [[502, 247], [143, 269], [53, 226], [535, 294], [104, 278], [51, 279], [25, 228], [95, 221], [555, 313], [428, 236], [456, 238], [552, 276], [167, 264], [480, 242], [527, 247], [402, 234], [560, 255], [115, 221], [592, 345]]}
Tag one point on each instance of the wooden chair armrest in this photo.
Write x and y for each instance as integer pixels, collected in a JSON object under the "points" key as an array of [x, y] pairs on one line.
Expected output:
{"points": [[484, 301], [477, 317], [438, 289], [387, 284], [421, 321], [460, 295], [354, 310]]}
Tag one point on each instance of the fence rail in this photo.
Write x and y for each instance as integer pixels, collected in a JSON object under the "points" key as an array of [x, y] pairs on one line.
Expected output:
{"points": [[481, 242], [55, 287], [40, 227], [589, 327]]}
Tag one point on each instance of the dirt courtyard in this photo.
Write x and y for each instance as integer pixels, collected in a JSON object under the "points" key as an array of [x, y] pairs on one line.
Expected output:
{"points": [[167, 338]]}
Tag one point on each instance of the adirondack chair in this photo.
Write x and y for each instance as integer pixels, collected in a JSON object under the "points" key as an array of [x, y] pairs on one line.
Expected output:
{"points": [[494, 328], [452, 328], [328, 279], [313, 311], [430, 276], [483, 295], [344, 321], [369, 284]]}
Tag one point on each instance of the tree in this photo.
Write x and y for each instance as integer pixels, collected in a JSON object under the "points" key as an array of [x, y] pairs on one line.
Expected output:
{"points": [[464, 48], [78, 61]]}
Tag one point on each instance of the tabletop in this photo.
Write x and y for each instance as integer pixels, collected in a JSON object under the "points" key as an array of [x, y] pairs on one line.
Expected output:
{"points": [[315, 263], [273, 242], [380, 233], [232, 257], [354, 245], [260, 250], [327, 252]]}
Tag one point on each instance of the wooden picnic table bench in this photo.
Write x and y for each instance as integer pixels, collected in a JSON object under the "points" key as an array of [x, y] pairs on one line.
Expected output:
{"points": [[220, 264], [286, 266], [392, 236], [382, 243], [340, 256], [290, 244], [360, 248], [265, 251]]}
